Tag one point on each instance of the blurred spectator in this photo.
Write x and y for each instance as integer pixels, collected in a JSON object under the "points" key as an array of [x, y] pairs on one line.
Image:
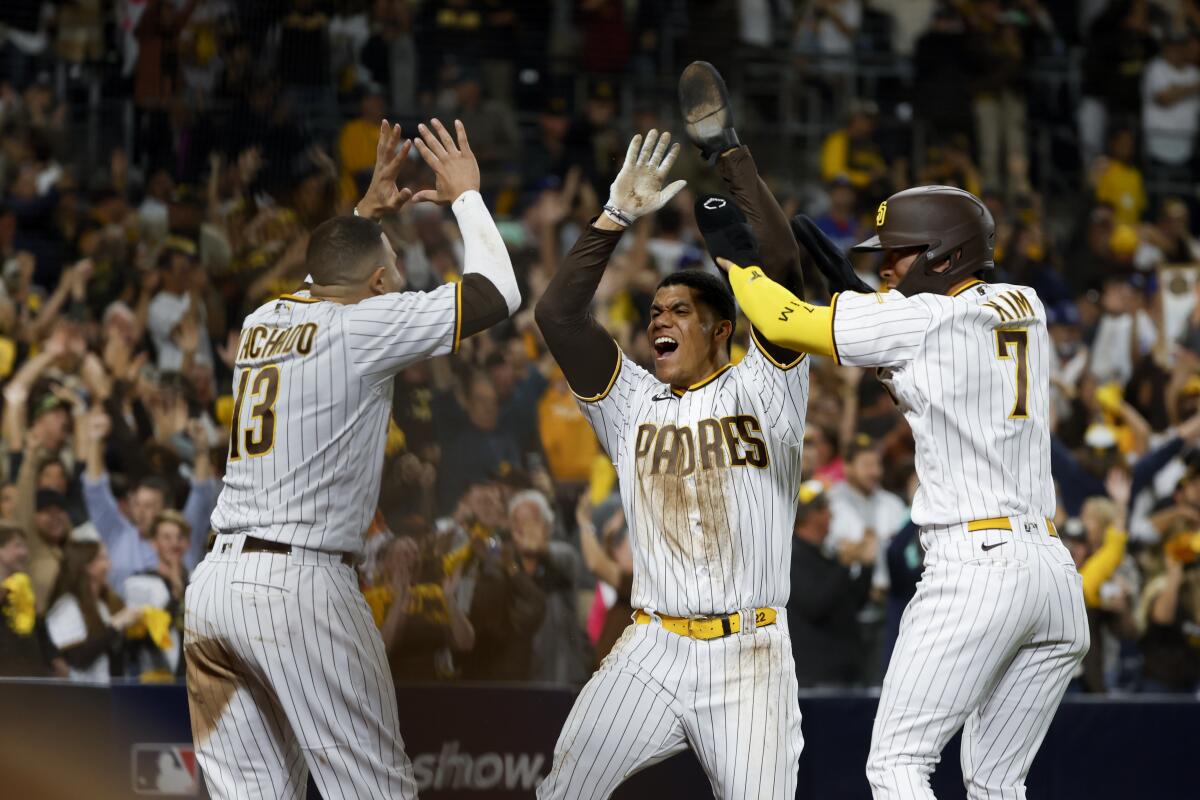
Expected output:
{"points": [[1169, 240], [560, 650], [42, 515], [905, 563], [448, 34], [129, 537], [492, 127], [305, 64], [86, 620], [605, 36], [594, 141], [831, 26], [482, 427], [853, 153], [544, 151], [177, 318], [25, 649], [1111, 582], [390, 55], [1125, 332], [840, 223], [23, 39], [1117, 180], [357, 144], [864, 515], [997, 95], [1169, 616], [950, 164], [161, 588], [424, 624], [1120, 43], [828, 592], [568, 439], [1171, 106], [941, 86], [507, 606], [608, 554]]}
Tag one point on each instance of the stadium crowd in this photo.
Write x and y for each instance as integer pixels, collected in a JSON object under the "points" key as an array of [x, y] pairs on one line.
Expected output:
{"points": [[499, 550]]}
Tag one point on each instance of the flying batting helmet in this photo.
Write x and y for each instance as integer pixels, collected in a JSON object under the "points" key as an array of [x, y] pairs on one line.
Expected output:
{"points": [[949, 223]]}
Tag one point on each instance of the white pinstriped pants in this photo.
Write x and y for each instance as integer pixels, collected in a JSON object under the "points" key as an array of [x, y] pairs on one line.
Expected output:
{"points": [[286, 673], [988, 643], [733, 700]]}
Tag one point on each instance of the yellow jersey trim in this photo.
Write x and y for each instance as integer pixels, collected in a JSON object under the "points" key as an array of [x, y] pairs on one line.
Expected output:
{"points": [[754, 338], [832, 316], [965, 286], [298, 299], [457, 317], [702, 383], [611, 381]]}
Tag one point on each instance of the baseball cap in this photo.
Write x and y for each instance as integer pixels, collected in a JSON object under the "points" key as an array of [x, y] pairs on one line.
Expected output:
{"points": [[48, 498], [859, 444], [48, 403], [1073, 529], [812, 496]]}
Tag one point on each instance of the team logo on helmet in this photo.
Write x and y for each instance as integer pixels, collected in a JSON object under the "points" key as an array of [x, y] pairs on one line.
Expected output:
{"points": [[881, 214]]}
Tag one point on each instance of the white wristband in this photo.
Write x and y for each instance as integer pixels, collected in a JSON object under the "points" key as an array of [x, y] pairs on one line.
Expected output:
{"points": [[617, 215]]}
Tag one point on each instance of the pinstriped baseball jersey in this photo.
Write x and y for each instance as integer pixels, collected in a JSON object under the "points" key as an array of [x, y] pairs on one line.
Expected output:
{"points": [[708, 480], [312, 396], [971, 375]]}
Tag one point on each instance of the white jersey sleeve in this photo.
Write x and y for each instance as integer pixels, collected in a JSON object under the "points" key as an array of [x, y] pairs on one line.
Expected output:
{"points": [[609, 411], [387, 333], [782, 389], [878, 330]]}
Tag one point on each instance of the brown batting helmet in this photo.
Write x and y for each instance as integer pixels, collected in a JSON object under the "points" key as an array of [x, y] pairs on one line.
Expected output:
{"points": [[949, 223]]}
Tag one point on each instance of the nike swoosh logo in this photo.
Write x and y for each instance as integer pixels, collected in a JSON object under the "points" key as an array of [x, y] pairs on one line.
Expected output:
{"points": [[987, 547], [658, 397]]}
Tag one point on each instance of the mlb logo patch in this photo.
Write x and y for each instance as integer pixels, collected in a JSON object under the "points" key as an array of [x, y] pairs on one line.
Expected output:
{"points": [[165, 770]]}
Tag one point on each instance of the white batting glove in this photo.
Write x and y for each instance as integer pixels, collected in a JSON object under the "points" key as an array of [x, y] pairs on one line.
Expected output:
{"points": [[638, 189]]}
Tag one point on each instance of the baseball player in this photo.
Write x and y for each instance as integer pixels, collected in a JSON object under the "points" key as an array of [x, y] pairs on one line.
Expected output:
{"points": [[708, 460], [286, 670], [997, 625]]}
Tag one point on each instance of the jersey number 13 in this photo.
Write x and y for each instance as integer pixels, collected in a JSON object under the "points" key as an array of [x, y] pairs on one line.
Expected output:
{"points": [[257, 437]]}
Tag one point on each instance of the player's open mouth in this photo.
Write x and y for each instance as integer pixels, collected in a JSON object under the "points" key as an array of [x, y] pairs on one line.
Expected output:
{"points": [[664, 346]]}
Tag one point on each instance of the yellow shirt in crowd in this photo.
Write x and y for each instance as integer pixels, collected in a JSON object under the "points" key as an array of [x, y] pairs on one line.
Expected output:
{"points": [[1120, 186], [356, 150]]}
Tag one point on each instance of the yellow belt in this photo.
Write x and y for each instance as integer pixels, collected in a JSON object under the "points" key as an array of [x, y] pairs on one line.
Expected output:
{"points": [[707, 627], [1003, 524]]}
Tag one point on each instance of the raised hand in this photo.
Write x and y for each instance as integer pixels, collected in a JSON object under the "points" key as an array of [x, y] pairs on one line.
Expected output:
{"points": [[97, 425], [453, 163], [382, 194], [638, 188]]}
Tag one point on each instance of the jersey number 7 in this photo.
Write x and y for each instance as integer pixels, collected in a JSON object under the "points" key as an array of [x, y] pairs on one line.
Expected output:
{"points": [[259, 436], [1005, 339]]}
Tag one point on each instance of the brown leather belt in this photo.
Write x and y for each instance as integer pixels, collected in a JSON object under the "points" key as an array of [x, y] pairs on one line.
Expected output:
{"points": [[253, 544]]}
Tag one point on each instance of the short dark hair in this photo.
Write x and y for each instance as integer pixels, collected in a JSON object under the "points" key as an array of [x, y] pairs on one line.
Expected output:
{"points": [[343, 250], [710, 290], [159, 485], [9, 531]]}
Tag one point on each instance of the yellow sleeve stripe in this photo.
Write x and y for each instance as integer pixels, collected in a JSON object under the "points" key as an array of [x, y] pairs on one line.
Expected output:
{"points": [[833, 316], [457, 317], [611, 381], [767, 355], [297, 299]]}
